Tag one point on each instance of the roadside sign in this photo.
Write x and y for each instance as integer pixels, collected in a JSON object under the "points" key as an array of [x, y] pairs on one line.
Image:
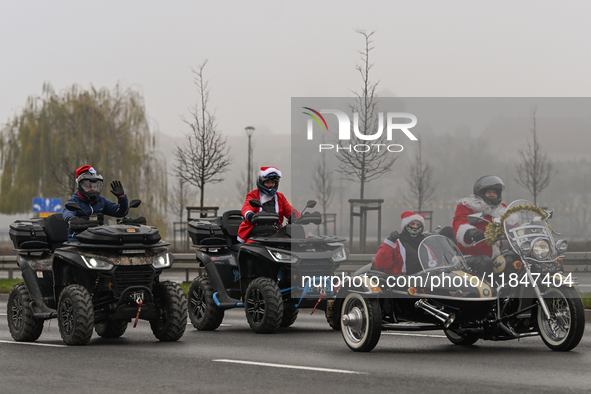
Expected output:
{"points": [[44, 204]]}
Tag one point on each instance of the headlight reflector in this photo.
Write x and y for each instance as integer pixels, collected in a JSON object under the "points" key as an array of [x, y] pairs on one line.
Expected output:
{"points": [[525, 247], [281, 256], [540, 249], [96, 264], [340, 255], [162, 261]]}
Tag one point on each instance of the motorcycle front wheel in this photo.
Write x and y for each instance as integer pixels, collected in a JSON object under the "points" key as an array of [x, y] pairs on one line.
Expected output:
{"points": [[565, 328], [361, 322]]}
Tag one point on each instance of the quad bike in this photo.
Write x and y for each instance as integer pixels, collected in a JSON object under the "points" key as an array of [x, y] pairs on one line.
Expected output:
{"points": [[271, 277], [527, 294], [102, 281]]}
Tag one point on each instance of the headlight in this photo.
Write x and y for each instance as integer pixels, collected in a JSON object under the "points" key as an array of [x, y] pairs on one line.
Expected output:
{"points": [[562, 245], [162, 261], [541, 249], [340, 255], [281, 256], [97, 264], [525, 247]]}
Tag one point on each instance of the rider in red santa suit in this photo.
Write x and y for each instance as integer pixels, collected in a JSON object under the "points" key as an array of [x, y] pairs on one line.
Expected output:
{"points": [[486, 199], [273, 201]]}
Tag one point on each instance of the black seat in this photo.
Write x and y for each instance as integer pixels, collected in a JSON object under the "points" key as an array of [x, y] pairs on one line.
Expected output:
{"points": [[56, 230], [231, 221]]}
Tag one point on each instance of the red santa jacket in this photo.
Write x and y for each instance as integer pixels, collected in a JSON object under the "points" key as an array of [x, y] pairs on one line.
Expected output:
{"points": [[282, 207], [391, 257], [468, 206]]}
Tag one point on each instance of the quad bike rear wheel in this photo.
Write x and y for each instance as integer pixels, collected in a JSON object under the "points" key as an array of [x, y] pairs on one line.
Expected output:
{"points": [[263, 306], [22, 325], [172, 304], [565, 328], [205, 315]]}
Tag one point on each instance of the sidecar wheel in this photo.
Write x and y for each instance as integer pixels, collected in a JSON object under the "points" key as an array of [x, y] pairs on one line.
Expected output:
{"points": [[361, 322], [459, 340], [564, 330]]}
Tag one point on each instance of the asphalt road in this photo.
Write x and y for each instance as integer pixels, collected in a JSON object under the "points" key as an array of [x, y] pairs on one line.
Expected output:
{"points": [[308, 357]]}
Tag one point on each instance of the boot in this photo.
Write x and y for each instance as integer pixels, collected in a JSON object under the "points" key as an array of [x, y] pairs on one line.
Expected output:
{"points": [[38, 305]]}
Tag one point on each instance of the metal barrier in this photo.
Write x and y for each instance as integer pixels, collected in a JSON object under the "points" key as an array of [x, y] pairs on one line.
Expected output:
{"points": [[574, 261]]}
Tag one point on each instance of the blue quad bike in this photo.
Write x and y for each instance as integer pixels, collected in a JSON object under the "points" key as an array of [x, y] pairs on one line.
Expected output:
{"points": [[271, 278], [109, 277]]}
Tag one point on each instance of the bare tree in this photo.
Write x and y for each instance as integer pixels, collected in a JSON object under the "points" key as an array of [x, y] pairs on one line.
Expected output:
{"points": [[420, 181], [322, 184], [535, 170], [365, 166], [179, 197], [205, 157]]}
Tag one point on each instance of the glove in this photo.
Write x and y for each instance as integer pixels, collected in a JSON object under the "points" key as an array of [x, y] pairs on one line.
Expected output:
{"points": [[473, 235], [249, 216], [117, 189]]}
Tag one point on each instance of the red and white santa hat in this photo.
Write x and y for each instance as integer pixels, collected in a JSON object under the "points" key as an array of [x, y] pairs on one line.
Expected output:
{"points": [[408, 216], [84, 169], [269, 170]]}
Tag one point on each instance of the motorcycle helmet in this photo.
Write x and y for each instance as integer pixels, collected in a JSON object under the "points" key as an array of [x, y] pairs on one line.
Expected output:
{"points": [[268, 174], [489, 182], [90, 183]]}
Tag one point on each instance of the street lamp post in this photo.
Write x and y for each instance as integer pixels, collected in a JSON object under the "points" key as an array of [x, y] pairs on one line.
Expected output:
{"points": [[249, 132]]}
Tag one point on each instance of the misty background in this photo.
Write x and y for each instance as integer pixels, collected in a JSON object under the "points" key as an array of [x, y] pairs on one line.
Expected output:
{"points": [[261, 54]]}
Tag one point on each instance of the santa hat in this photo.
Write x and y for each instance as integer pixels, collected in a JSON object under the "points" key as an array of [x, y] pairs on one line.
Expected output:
{"points": [[84, 169], [269, 170], [408, 216]]}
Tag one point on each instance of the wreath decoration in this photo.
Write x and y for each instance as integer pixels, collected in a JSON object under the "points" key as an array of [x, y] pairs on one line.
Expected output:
{"points": [[494, 230]]}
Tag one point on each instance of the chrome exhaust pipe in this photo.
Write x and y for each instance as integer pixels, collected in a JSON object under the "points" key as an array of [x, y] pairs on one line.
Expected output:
{"points": [[446, 318]]}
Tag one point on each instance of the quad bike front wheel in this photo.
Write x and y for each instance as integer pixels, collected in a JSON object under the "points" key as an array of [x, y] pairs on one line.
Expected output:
{"points": [[361, 322], [290, 314], [75, 315], [205, 315], [22, 325], [263, 306], [172, 304], [565, 328], [111, 328]]}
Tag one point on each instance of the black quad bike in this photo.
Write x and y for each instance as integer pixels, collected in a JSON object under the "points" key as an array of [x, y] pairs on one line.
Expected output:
{"points": [[527, 294], [103, 281], [270, 278]]}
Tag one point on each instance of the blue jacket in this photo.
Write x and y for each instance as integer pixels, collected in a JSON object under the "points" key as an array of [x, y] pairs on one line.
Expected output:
{"points": [[101, 205]]}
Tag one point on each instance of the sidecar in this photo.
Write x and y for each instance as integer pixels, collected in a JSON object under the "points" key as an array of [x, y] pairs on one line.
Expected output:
{"points": [[444, 293]]}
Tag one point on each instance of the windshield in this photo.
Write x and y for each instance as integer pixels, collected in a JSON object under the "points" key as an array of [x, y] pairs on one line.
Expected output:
{"points": [[437, 251], [526, 226]]}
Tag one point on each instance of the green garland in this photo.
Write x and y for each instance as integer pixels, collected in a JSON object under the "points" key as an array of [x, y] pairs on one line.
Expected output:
{"points": [[493, 230]]}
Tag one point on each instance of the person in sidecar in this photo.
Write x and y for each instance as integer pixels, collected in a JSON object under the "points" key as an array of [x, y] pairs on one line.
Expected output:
{"points": [[398, 254], [486, 199], [90, 184], [273, 202]]}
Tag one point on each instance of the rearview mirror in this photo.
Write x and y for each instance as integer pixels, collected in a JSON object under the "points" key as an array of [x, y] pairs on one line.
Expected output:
{"points": [[135, 203], [255, 203], [476, 217], [72, 206], [310, 204]]}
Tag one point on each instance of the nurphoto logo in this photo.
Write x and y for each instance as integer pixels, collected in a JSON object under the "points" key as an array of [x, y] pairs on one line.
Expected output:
{"points": [[344, 132]]}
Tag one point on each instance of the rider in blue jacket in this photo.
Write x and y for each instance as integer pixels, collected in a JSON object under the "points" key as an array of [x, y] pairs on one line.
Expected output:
{"points": [[90, 184]]}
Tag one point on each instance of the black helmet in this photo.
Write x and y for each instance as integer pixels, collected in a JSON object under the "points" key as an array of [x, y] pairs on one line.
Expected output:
{"points": [[268, 174], [90, 185], [489, 182]]}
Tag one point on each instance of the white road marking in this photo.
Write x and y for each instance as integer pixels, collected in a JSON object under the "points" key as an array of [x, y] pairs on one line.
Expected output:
{"points": [[290, 366], [3, 314], [414, 335], [33, 344]]}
